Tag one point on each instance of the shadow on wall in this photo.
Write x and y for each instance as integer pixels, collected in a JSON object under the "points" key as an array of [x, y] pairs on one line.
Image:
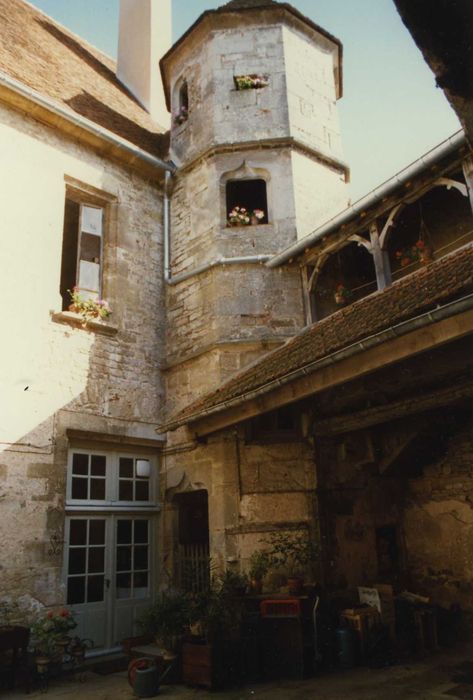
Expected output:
{"points": [[90, 107]]}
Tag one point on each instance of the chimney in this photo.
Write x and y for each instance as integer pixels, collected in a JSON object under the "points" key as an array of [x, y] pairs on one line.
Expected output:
{"points": [[144, 37]]}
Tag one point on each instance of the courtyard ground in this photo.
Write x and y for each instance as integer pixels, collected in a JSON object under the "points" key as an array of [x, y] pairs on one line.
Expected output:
{"points": [[443, 676]]}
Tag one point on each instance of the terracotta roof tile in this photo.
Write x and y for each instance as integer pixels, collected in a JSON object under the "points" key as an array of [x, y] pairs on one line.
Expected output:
{"points": [[414, 294], [45, 56]]}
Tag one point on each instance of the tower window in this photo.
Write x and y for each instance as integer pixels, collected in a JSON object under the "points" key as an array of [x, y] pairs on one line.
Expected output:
{"points": [[182, 112], [247, 202], [184, 96]]}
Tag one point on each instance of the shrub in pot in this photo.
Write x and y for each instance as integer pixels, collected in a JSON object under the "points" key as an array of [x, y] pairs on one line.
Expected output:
{"points": [[295, 553], [167, 619], [260, 564]]}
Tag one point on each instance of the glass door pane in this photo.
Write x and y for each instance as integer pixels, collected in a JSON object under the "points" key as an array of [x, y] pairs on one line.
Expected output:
{"points": [[86, 561], [132, 558]]}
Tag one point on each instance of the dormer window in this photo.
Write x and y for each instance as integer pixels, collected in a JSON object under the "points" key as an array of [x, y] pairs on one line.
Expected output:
{"points": [[182, 112], [247, 202]]}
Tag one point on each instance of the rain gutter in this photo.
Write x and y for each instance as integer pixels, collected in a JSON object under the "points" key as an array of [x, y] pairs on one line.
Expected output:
{"points": [[443, 150], [87, 125]]}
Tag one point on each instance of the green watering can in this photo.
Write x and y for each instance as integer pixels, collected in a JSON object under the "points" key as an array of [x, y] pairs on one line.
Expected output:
{"points": [[144, 678]]}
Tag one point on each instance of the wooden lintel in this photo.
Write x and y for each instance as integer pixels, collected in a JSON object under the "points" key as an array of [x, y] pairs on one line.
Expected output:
{"points": [[406, 406], [356, 365]]}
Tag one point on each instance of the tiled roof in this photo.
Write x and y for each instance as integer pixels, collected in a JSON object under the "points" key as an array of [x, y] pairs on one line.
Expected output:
{"points": [[45, 56], [436, 284], [244, 4]]}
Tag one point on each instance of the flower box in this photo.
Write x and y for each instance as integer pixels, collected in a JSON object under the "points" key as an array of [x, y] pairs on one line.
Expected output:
{"points": [[250, 82], [240, 216]]}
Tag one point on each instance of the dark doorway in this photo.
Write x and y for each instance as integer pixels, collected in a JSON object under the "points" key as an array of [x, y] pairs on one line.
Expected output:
{"points": [[387, 550], [193, 563]]}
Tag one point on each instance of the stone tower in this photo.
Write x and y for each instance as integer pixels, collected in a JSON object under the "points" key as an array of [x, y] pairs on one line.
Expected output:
{"points": [[253, 89]]}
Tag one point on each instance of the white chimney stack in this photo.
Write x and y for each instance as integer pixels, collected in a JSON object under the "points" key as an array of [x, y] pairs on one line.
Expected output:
{"points": [[144, 37]]}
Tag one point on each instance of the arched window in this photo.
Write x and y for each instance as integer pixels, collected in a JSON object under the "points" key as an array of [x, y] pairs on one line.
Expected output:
{"points": [[347, 275], [181, 102], [184, 96], [436, 224]]}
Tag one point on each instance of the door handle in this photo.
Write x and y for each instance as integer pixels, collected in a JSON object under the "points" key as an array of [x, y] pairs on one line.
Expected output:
{"points": [[107, 583]]}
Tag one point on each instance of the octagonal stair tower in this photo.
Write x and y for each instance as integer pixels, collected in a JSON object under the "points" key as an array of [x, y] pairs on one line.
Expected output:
{"points": [[274, 147]]}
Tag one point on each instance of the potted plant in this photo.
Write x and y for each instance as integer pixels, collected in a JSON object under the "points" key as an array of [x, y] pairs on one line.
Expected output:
{"points": [[295, 553], [233, 583], [181, 116], [167, 619], [44, 640], [89, 309], [241, 216], [211, 659], [342, 295], [260, 563], [77, 649], [419, 252], [250, 82]]}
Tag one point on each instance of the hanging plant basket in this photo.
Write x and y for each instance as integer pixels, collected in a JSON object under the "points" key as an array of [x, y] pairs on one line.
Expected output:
{"points": [[419, 252], [342, 295]]}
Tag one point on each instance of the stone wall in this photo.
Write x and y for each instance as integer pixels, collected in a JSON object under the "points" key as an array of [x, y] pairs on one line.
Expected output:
{"points": [[253, 489], [55, 376], [433, 514], [438, 525]]}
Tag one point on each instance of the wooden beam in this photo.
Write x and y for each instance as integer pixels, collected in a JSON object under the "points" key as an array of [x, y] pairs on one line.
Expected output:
{"points": [[319, 379], [406, 406]]}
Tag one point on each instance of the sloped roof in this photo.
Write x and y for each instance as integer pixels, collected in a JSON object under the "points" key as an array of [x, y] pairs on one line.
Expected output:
{"points": [[47, 57], [244, 4], [433, 285]]}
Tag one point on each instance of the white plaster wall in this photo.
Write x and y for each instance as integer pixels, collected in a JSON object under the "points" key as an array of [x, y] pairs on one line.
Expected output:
{"points": [[320, 192], [55, 361], [55, 376], [311, 92]]}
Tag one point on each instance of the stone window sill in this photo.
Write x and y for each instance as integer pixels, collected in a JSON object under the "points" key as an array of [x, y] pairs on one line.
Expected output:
{"points": [[249, 226], [76, 320]]}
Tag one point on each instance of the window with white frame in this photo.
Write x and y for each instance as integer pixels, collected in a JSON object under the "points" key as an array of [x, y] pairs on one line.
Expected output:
{"points": [[82, 250], [110, 479]]}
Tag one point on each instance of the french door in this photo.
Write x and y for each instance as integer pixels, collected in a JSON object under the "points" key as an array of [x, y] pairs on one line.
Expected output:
{"points": [[108, 574]]}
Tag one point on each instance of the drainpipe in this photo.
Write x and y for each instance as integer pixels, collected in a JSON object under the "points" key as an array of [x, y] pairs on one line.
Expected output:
{"points": [[166, 225], [168, 278]]}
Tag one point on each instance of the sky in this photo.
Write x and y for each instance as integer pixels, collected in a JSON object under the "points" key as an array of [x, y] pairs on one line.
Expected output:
{"points": [[391, 112]]}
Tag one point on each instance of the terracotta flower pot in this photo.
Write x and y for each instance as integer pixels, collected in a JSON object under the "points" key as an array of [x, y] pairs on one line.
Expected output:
{"points": [[42, 664], [425, 256]]}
